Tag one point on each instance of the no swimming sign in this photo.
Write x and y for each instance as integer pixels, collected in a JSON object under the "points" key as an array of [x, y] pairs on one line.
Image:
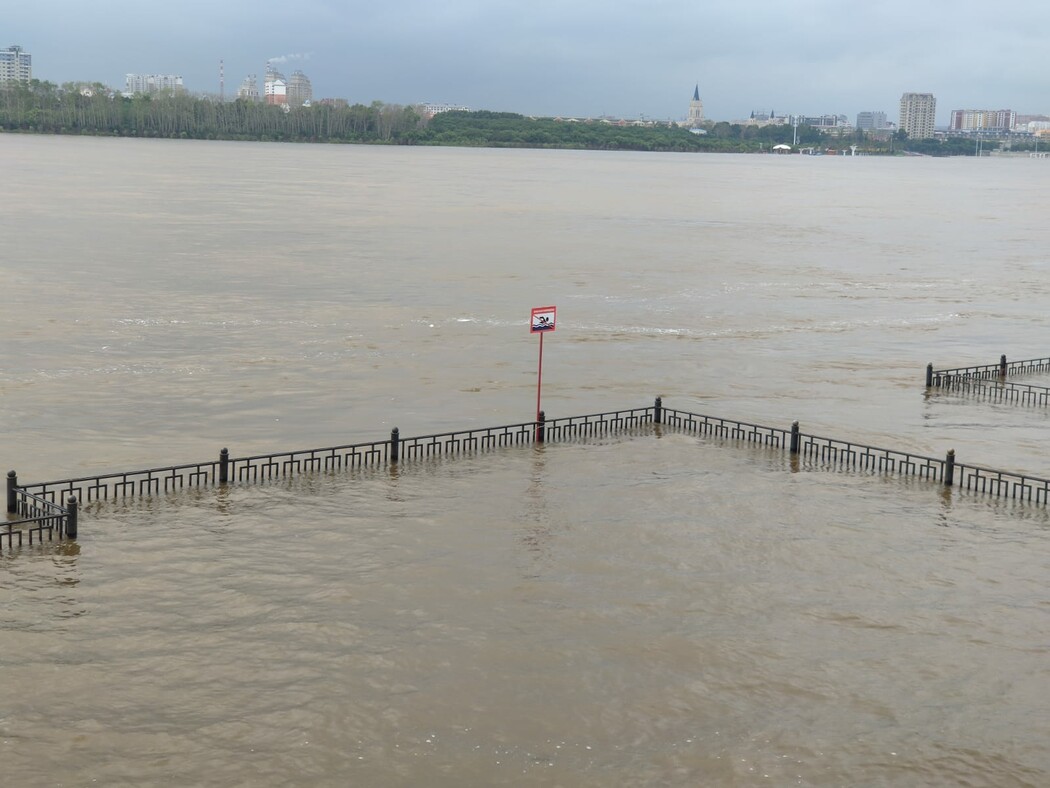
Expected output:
{"points": [[543, 318]]}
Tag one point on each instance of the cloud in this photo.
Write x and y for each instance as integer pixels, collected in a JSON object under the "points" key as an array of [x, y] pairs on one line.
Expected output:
{"points": [[288, 58], [567, 57]]}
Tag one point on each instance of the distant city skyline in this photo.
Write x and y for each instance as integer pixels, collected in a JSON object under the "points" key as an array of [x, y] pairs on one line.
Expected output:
{"points": [[580, 59]]}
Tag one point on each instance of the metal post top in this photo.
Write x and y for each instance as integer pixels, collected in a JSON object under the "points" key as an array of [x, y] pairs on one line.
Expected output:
{"points": [[11, 474]]}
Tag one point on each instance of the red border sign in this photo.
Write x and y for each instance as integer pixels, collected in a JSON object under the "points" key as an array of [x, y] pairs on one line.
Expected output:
{"points": [[543, 319]]}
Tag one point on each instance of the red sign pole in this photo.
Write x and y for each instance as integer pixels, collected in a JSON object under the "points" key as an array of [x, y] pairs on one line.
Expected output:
{"points": [[539, 378], [543, 319]]}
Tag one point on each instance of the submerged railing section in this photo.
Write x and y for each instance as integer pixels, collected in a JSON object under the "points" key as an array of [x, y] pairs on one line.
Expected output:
{"points": [[35, 517], [38, 510], [51, 508], [821, 450], [990, 380], [832, 452]]}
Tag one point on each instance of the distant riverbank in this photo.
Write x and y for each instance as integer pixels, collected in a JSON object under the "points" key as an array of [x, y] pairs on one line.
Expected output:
{"points": [[42, 108]]}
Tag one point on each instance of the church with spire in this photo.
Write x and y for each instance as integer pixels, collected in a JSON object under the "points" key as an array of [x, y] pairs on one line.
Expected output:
{"points": [[695, 119]]}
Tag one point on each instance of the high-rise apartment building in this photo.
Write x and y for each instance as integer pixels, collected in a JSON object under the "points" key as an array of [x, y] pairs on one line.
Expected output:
{"points": [[299, 89], [871, 121], [151, 83], [16, 65], [918, 112], [249, 89]]}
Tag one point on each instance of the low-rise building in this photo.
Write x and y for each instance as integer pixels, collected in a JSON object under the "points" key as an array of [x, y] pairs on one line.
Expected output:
{"points": [[432, 108], [825, 122], [978, 120], [152, 83]]}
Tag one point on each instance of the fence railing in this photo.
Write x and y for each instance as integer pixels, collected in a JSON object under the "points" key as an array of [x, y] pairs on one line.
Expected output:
{"points": [[861, 457], [829, 451], [1003, 484], [39, 509], [948, 378], [990, 380], [35, 517], [998, 390], [726, 428], [872, 458]]}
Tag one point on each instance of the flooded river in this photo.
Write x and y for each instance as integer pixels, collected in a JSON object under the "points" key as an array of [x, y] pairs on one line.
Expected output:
{"points": [[646, 609]]}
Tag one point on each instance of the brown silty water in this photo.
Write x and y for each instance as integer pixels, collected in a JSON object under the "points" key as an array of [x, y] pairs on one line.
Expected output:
{"points": [[639, 609]]}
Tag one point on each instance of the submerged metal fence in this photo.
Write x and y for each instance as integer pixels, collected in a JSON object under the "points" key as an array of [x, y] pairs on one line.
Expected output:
{"points": [[833, 452], [35, 516], [39, 512], [990, 380], [39, 509]]}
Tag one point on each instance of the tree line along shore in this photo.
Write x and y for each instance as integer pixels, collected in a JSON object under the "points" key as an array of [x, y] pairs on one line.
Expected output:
{"points": [[44, 108]]}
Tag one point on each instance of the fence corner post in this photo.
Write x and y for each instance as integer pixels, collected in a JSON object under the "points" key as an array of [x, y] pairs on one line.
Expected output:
{"points": [[929, 374], [12, 485], [224, 466], [658, 411], [541, 427], [395, 444], [794, 437], [949, 468], [71, 517], [1002, 366]]}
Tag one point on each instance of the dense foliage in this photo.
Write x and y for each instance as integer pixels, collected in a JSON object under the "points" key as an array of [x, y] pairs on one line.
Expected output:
{"points": [[43, 107], [509, 130], [952, 146], [93, 109], [505, 129]]}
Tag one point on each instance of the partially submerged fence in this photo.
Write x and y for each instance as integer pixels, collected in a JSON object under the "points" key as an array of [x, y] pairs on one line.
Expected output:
{"points": [[40, 509], [50, 509], [36, 516], [858, 456], [990, 380]]}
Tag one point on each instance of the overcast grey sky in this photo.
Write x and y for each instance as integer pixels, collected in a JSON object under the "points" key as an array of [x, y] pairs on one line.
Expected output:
{"points": [[568, 57]]}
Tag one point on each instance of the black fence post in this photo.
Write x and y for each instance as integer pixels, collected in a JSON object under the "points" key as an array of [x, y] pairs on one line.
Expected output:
{"points": [[658, 411], [929, 374], [12, 485], [71, 517], [541, 426], [794, 437], [949, 468], [395, 444], [1002, 366], [224, 466]]}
